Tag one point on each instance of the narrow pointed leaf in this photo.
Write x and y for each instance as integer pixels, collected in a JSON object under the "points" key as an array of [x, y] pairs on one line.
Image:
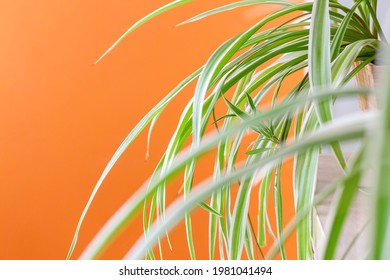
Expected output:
{"points": [[233, 6], [145, 19]]}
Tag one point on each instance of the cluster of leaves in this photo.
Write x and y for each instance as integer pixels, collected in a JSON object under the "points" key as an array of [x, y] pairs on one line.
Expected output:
{"points": [[323, 36]]}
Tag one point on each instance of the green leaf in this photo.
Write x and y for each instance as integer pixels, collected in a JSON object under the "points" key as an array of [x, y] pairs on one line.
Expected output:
{"points": [[210, 209], [213, 226], [342, 29], [349, 189], [251, 103], [343, 63], [319, 53], [278, 205], [263, 205], [320, 74], [248, 243], [239, 113], [145, 19], [305, 180], [239, 220], [257, 151], [381, 162], [233, 6], [378, 28]]}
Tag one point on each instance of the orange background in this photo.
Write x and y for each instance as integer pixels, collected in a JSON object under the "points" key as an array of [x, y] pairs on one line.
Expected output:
{"points": [[61, 117]]}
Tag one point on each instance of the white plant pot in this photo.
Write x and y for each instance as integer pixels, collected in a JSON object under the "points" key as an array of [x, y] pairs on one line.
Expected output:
{"points": [[355, 230]]}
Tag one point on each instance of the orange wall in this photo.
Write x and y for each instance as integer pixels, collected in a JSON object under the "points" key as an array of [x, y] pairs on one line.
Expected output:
{"points": [[61, 118]]}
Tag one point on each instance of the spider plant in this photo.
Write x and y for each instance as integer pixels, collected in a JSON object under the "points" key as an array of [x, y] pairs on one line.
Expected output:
{"points": [[322, 36]]}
